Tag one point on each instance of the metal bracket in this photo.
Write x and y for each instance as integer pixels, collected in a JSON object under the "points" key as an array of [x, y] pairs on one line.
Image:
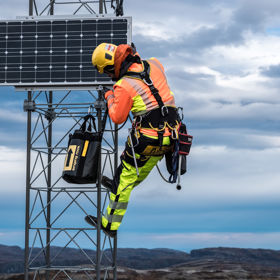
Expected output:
{"points": [[29, 106], [100, 104], [50, 115]]}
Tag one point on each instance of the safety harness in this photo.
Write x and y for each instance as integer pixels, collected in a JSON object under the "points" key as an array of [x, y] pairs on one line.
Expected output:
{"points": [[156, 118]]}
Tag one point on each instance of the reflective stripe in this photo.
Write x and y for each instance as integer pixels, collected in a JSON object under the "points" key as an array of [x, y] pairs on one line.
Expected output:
{"points": [[113, 218], [110, 105], [153, 133], [110, 97], [170, 102], [141, 92], [144, 100], [118, 205]]}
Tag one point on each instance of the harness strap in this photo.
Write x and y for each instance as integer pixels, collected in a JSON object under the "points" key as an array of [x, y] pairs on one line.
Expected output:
{"points": [[145, 77]]}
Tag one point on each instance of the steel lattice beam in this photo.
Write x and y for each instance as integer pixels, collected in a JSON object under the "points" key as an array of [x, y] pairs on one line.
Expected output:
{"points": [[47, 113]]}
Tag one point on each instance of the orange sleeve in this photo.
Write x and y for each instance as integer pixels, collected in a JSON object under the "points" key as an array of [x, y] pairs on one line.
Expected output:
{"points": [[119, 104]]}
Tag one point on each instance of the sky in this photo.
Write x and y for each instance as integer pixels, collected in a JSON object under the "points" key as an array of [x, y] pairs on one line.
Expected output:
{"points": [[222, 61]]}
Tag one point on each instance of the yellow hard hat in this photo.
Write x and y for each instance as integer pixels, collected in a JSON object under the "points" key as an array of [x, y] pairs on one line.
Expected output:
{"points": [[103, 55]]}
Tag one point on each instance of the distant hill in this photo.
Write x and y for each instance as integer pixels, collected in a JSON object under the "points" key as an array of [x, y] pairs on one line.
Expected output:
{"points": [[214, 259], [254, 256], [11, 258]]}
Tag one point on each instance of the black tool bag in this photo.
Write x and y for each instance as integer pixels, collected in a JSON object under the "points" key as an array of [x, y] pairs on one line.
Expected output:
{"points": [[84, 147], [182, 148], [185, 140]]}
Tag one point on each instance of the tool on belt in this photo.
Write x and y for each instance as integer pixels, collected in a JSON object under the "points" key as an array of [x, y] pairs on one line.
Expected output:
{"points": [[176, 161]]}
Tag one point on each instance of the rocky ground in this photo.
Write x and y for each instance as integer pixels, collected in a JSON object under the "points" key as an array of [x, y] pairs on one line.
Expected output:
{"points": [[160, 264], [195, 270], [206, 269]]}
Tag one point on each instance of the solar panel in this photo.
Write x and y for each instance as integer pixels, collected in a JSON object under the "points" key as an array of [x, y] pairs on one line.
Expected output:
{"points": [[54, 51]]}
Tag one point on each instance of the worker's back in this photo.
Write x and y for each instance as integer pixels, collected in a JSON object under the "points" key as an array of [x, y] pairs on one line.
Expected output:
{"points": [[143, 99]]}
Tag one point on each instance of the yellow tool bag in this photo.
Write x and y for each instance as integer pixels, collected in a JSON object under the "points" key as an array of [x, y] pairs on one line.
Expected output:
{"points": [[84, 148]]}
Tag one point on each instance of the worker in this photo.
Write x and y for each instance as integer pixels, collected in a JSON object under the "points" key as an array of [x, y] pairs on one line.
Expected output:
{"points": [[141, 88]]}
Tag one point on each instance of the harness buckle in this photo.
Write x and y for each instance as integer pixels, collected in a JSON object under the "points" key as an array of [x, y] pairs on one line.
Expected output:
{"points": [[150, 83], [164, 111], [137, 122], [181, 116], [174, 134]]}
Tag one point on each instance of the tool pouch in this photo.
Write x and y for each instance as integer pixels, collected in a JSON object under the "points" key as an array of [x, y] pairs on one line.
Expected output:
{"points": [[84, 146], [171, 161], [181, 149], [185, 140]]}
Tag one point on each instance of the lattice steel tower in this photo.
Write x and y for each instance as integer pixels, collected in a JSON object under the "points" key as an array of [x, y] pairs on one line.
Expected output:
{"points": [[48, 57]]}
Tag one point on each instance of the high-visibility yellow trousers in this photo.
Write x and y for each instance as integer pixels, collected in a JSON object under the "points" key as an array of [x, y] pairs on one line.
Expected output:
{"points": [[124, 181]]}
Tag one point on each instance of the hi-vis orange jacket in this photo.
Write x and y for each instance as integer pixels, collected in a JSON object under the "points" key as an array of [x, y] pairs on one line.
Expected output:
{"points": [[132, 94]]}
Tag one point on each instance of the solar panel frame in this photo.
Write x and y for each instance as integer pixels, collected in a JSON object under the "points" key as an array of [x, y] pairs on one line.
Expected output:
{"points": [[55, 51]]}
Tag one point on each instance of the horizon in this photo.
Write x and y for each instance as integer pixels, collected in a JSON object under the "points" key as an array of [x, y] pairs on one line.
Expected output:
{"points": [[157, 248]]}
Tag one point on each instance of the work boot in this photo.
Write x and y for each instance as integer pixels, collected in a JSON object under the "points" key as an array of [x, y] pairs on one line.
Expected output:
{"points": [[107, 183], [93, 222]]}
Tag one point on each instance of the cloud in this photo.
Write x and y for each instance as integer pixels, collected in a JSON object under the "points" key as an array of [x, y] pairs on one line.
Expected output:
{"points": [[272, 71], [233, 49], [204, 26], [12, 169], [12, 116], [217, 176]]}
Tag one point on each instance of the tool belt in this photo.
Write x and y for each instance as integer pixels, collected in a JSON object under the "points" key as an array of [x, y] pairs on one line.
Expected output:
{"points": [[153, 119], [144, 147]]}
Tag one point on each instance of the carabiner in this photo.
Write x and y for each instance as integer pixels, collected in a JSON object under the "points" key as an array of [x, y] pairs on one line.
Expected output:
{"points": [[148, 83], [164, 111]]}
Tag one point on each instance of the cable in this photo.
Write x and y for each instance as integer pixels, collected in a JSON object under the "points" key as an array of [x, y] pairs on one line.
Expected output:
{"points": [[162, 175]]}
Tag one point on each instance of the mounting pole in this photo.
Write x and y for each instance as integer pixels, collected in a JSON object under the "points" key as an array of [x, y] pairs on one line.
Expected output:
{"points": [[100, 6], [28, 169], [30, 7], [99, 214], [49, 173], [27, 204], [116, 144], [49, 184]]}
